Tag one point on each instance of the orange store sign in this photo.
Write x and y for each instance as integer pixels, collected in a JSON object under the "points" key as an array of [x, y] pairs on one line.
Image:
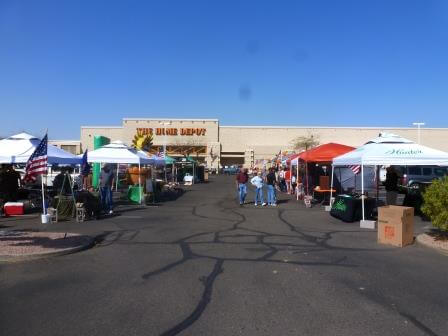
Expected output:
{"points": [[172, 131]]}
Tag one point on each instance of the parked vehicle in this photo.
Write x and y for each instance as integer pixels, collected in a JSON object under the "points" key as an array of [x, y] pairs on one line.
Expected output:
{"points": [[412, 175], [230, 170]]}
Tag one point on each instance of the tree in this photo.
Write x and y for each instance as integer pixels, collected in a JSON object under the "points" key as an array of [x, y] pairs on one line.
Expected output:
{"points": [[305, 142], [435, 204]]}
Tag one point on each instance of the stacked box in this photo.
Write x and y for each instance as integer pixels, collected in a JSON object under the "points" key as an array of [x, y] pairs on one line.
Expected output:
{"points": [[396, 225]]}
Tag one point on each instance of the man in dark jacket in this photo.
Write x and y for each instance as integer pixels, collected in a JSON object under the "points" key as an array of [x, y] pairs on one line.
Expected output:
{"points": [[241, 180], [10, 183], [391, 185], [106, 183], [270, 184]]}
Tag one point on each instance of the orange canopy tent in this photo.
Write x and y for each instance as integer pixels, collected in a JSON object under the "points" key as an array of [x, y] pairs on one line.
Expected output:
{"points": [[320, 154]]}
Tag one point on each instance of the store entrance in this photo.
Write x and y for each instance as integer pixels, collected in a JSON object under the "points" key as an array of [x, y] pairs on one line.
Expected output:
{"points": [[232, 161]]}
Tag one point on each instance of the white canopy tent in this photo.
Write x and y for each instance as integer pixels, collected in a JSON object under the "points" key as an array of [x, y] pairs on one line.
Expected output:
{"points": [[393, 150], [18, 148], [117, 152]]}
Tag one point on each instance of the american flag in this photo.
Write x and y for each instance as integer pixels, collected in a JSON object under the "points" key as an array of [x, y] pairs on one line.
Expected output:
{"points": [[37, 163], [355, 169]]}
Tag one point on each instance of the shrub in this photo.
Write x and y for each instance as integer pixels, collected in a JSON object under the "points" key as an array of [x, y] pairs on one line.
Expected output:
{"points": [[435, 204]]}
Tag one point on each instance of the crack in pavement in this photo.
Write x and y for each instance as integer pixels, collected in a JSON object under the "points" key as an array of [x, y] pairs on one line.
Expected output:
{"points": [[271, 249]]}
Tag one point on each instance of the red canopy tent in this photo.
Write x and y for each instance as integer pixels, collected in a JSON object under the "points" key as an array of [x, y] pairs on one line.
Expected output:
{"points": [[323, 153], [320, 154]]}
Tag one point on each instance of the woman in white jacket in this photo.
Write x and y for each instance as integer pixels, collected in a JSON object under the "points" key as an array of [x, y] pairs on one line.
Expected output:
{"points": [[257, 181]]}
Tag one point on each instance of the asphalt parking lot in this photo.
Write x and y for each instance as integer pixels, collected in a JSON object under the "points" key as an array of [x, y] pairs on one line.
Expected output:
{"points": [[203, 265]]}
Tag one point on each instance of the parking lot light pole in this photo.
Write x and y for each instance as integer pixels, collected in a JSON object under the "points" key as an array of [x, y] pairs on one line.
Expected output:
{"points": [[418, 124]]}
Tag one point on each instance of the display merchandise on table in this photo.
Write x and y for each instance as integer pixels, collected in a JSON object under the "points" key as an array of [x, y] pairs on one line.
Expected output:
{"points": [[348, 208]]}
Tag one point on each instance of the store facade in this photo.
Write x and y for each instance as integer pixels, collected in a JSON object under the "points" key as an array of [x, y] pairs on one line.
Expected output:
{"points": [[217, 146]]}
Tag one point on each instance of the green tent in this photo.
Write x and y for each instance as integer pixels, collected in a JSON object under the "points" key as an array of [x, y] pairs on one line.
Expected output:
{"points": [[190, 159], [169, 160]]}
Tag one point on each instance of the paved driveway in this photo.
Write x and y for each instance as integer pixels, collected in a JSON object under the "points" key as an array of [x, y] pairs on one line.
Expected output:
{"points": [[201, 265]]}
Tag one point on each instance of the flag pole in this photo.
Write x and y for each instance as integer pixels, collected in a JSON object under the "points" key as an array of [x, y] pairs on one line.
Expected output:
{"points": [[44, 212]]}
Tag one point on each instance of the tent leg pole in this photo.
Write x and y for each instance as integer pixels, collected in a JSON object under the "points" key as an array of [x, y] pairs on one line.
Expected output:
{"points": [[153, 186], [331, 187], [139, 184], [362, 192], [306, 176]]}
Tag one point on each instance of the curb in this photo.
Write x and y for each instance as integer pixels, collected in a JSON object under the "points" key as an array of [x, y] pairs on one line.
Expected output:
{"points": [[26, 257], [419, 240]]}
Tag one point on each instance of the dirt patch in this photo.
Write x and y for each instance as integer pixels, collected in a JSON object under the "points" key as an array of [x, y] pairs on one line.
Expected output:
{"points": [[20, 243], [433, 240]]}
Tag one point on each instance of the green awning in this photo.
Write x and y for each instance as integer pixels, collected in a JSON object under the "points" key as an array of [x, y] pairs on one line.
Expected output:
{"points": [[169, 160], [190, 159]]}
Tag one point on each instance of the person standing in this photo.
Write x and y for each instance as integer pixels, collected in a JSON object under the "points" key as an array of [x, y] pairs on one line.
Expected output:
{"points": [[282, 183], [270, 184], [293, 183], [106, 183], [241, 180], [11, 183], [3, 184], [391, 185], [288, 180], [257, 181]]}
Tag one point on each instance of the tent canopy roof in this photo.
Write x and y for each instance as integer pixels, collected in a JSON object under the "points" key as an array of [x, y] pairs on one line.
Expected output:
{"points": [[158, 161], [323, 153], [383, 151], [18, 148], [23, 136], [118, 152], [388, 138]]}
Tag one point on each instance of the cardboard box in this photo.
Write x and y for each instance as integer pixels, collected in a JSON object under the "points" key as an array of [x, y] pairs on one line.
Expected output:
{"points": [[13, 208], [396, 225]]}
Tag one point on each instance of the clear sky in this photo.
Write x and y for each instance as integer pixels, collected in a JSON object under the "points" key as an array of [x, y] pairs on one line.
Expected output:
{"points": [[67, 63]]}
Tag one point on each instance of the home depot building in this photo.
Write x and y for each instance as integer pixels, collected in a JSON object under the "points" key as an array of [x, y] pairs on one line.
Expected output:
{"points": [[218, 145]]}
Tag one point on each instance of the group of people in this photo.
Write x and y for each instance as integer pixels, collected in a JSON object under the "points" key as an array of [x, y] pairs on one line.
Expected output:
{"points": [[260, 182]]}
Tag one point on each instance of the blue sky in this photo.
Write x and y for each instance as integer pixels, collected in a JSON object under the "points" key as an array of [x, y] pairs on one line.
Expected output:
{"points": [[64, 64]]}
